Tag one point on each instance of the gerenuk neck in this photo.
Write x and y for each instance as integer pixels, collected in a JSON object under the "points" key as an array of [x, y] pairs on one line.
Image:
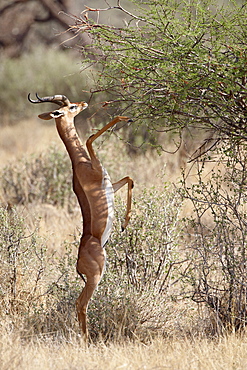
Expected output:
{"points": [[67, 131]]}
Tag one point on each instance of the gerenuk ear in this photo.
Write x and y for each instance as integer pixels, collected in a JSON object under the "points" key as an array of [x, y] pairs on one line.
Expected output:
{"points": [[45, 116]]}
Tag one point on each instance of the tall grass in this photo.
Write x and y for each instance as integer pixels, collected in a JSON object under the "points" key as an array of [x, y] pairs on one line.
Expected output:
{"points": [[228, 353]]}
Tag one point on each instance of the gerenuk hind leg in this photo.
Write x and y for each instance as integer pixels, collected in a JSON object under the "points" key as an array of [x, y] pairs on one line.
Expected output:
{"points": [[91, 263]]}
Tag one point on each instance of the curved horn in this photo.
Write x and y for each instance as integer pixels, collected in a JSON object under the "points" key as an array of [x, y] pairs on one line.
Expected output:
{"points": [[61, 100]]}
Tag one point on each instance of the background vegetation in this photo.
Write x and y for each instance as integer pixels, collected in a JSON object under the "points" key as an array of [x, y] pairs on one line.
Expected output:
{"points": [[179, 270]]}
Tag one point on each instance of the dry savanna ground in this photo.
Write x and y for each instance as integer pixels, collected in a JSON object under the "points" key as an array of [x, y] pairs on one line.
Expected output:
{"points": [[18, 351], [229, 353]]}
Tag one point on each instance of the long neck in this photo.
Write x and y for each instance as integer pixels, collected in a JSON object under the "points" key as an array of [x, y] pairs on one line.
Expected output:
{"points": [[70, 138], [72, 142]]}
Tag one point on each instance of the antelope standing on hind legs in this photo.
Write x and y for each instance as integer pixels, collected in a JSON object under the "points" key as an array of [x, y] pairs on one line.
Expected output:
{"points": [[95, 194]]}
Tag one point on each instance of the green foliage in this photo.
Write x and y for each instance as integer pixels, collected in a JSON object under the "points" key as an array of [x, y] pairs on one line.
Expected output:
{"points": [[175, 64]]}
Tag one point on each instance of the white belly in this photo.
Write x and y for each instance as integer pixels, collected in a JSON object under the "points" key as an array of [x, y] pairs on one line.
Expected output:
{"points": [[107, 185]]}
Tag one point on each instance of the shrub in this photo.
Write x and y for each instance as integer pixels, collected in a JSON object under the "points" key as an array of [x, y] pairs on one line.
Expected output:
{"points": [[44, 178], [217, 247]]}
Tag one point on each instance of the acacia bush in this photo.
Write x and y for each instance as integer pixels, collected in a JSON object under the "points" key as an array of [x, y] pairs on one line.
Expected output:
{"points": [[217, 247], [172, 64]]}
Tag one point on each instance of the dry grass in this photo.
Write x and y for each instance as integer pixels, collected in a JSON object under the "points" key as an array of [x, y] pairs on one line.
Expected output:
{"points": [[225, 353]]}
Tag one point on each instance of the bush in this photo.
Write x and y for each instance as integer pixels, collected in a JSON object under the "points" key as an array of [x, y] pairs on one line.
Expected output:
{"points": [[173, 64], [217, 247], [44, 178]]}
